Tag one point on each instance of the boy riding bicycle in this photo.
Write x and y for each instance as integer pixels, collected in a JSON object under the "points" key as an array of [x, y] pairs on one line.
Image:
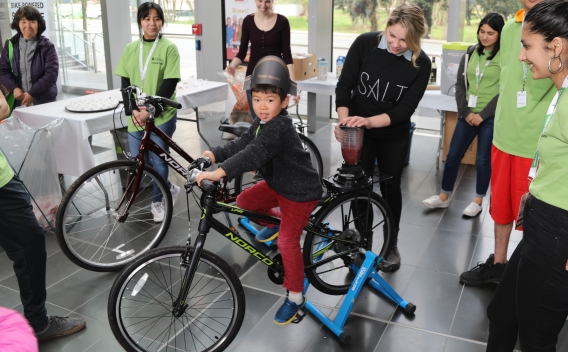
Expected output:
{"points": [[272, 146]]}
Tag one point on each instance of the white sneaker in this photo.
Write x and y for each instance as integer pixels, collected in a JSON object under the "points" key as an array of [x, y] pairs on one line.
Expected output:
{"points": [[435, 202], [175, 192], [158, 211], [472, 210]]}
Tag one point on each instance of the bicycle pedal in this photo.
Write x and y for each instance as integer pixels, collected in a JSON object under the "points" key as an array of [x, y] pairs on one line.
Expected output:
{"points": [[299, 316]]}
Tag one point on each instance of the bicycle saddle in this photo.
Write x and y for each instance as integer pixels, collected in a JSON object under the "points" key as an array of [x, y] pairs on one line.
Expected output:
{"points": [[237, 129]]}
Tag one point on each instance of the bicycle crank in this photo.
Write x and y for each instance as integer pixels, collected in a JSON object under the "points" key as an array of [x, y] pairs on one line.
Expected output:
{"points": [[276, 276]]}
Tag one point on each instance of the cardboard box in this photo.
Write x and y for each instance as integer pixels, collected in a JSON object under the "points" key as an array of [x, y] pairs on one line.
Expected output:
{"points": [[305, 67], [450, 125]]}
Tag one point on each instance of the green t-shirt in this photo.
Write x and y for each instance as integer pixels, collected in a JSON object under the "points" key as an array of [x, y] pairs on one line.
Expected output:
{"points": [[6, 173], [164, 64], [489, 84], [517, 129], [550, 184]]}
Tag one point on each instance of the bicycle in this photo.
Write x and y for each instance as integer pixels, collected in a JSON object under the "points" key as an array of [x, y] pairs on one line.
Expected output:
{"points": [[188, 298], [104, 220]]}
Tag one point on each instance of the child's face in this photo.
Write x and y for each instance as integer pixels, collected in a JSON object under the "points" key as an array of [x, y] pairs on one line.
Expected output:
{"points": [[267, 106]]}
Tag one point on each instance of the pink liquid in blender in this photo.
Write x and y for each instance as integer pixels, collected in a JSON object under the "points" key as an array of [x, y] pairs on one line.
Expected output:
{"points": [[351, 155]]}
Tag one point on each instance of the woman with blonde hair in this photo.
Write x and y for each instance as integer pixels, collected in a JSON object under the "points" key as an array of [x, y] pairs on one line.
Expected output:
{"points": [[384, 77]]}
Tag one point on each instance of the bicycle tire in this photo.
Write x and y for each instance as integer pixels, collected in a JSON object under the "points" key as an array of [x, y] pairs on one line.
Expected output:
{"points": [[89, 233], [335, 278], [157, 293], [246, 179]]}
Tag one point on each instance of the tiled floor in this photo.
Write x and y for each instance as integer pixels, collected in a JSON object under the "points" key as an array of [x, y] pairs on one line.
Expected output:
{"points": [[436, 246]]}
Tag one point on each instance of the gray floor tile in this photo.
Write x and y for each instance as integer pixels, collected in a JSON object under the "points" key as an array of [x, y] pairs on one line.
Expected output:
{"points": [[258, 305], [413, 241], [96, 307], [453, 219], [6, 266], [454, 345], [9, 298], [365, 334], [417, 214], [471, 318], [449, 252], [412, 179], [466, 189], [79, 288], [436, 297], [403, 339]]}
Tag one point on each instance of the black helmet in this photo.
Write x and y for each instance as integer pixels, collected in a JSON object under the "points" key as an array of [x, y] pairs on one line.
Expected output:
{"points": [[271, 70]]}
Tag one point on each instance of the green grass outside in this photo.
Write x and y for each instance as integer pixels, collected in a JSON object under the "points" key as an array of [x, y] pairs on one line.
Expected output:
{"points": [[342, 24]]}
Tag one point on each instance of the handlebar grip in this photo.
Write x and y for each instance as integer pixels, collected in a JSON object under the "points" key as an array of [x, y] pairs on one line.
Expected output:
{"points": [[169, 102], [208, 186]]}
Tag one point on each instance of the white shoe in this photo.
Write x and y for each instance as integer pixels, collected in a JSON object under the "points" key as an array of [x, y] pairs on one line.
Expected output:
{"points": [[158, 211], [435, 202], [472, 210], [175, 192]]}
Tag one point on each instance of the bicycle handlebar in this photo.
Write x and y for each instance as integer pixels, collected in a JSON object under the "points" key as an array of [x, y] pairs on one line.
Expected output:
{"points": [[156, 99]]}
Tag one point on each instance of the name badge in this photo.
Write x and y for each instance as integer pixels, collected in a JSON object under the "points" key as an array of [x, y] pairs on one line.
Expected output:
{"points": [[521, 99], [472, 102]]}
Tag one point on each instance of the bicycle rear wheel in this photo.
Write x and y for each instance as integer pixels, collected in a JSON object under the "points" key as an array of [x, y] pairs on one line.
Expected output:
{"points": [[344, 219], [87, 226], [141, 300]]}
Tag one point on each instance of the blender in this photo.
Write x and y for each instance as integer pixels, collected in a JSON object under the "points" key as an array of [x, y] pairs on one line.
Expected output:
{"points": [[350, 175]]}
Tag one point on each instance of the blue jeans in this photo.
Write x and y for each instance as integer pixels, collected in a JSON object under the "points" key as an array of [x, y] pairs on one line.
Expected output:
{"points": [[152, 160], [462, 138]]}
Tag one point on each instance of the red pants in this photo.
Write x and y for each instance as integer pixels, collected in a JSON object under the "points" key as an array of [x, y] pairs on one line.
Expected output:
{"points": [[509, 181], [294, 217]]}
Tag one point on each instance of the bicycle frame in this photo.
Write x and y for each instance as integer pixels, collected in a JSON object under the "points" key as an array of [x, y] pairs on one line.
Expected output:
{"points": [[211, 206]]}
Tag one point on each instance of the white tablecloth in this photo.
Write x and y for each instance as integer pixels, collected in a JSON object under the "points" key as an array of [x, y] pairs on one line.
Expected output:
{"points": [[72, 151]]}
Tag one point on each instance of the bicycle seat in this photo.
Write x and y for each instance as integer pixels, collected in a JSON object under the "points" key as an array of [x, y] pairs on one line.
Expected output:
{"points": [[237, 129]]}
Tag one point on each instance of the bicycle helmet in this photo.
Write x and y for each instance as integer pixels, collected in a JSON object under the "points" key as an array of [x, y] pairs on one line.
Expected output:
{"points": [[271, 70]]}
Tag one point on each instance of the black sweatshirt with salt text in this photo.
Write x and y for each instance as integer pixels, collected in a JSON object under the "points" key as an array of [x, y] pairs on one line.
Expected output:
{"points": [[374, 81]]}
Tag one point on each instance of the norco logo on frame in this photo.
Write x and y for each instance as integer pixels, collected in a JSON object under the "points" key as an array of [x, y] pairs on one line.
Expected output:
{"points": [[175, 165], [247, 247]]}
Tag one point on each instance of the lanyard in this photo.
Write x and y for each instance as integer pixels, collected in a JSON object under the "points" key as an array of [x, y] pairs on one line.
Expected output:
{"points": [[144, 69], [525, 68], [479, 76], [549, 114]]}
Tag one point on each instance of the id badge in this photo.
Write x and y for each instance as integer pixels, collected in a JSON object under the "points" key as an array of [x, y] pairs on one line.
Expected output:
{"points": [[521, 99], [472, 102], [519, 222]]}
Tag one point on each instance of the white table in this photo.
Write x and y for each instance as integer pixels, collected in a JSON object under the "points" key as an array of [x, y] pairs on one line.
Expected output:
{"points": [[72, 150], [432, 99]]}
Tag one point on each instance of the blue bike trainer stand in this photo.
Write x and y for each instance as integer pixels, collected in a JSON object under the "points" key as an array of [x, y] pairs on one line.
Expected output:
{"points": [[367, 271], [247, 225]]}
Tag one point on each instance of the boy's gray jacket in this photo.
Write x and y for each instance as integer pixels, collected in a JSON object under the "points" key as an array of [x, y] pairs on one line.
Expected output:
{"points": [[275, 150]]}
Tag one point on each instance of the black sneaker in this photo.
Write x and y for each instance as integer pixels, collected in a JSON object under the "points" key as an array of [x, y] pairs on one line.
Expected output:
{"points": [[392, 261], [483, 273], [60, 326]]}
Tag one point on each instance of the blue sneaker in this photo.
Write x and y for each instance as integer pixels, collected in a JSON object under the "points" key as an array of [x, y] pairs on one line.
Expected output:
{"points": [[267, 234], [287, 312]]}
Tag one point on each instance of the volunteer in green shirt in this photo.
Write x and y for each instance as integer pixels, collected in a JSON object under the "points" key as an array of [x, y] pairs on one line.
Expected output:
{"points": [[476, 96], [531, 301], [519, 118], [24, 242], [152, 64]]}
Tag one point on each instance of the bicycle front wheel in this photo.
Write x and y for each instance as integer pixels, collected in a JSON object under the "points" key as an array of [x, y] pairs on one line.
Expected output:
{"points": [[140, 305], [87, 226], [347, 220]]}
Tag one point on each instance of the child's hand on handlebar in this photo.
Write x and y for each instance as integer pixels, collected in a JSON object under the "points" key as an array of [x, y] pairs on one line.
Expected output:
{"points": [[210, 155], [210, 175]]}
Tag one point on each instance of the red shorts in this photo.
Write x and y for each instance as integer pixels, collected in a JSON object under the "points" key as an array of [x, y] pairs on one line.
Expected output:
{"points": [[509, 181]]}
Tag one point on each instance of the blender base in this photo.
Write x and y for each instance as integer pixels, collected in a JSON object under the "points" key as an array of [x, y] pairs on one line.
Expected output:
{"points": [[348, 178]]}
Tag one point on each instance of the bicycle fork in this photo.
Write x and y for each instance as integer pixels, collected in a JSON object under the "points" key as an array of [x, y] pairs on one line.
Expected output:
{"points": [[180, 304]]}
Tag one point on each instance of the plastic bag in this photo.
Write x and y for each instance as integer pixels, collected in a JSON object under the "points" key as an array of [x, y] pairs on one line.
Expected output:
{"points": [[30, 152], [236, 84]]}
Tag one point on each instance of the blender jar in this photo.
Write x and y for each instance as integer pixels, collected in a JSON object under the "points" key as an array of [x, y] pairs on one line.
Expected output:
{"points": [[351, 143]]}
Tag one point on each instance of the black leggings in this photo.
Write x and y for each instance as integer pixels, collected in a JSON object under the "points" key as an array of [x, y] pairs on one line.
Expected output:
{"points": [[391, 156]]}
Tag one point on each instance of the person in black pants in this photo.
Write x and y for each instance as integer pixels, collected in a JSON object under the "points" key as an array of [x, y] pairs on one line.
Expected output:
{"points": [[531, 301], [383, 79], [24, 242]]}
